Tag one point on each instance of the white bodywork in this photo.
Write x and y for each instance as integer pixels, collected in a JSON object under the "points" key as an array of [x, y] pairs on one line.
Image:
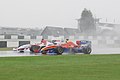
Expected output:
{"points": [[22, 48]]}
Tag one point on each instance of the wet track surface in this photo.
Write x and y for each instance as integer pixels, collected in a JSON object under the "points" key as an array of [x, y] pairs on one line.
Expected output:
{"points": [[27, 53], [103, 50], [15, 53]]}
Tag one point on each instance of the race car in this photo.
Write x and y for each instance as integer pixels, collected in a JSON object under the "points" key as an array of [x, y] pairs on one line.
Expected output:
{"points": [[22, 48], [81, 46]]}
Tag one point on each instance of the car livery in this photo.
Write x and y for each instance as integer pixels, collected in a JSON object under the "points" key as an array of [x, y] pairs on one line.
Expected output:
{"points": [[22, 48], [81, 46]]}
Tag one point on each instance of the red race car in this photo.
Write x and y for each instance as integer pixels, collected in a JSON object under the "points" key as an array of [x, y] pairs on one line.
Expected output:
{"points": [[58, 48]]}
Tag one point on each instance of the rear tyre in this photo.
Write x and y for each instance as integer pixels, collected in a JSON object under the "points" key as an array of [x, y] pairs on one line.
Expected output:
{"points": [[34, 48], [87, 50], [59, 50]]}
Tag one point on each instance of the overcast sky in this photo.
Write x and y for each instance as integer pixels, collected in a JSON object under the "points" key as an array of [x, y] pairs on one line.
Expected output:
{"points": [[41, 13]]}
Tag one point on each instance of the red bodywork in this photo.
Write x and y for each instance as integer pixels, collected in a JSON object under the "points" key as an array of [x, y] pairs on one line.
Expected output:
{"points": [[69, 45], [65, 45]]}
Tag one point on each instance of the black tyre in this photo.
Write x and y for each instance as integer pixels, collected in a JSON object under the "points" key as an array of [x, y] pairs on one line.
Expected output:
{"points": [[34, 48], [44, 52], [59, 50], [87, 50], [21, 51]]}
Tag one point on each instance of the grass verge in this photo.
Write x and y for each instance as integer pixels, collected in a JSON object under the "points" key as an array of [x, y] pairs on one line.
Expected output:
{"points": [[6, 49], [67, 67]]}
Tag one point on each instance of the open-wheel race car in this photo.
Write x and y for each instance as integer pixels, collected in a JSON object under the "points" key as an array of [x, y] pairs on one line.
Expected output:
{"points": [[82, 46], [22, 48]]}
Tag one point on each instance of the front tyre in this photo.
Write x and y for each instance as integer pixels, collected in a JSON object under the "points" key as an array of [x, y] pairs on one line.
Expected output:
{"points": [[21, 51], [44, 52]]}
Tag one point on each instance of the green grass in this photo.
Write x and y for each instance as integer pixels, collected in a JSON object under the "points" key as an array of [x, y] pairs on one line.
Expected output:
{"points": [[6, 49], [67, 67]]}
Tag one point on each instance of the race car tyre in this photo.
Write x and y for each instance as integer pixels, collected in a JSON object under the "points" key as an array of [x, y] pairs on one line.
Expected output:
{"points": [[87, 50], [59, 50], [34, 48], [44, 52], [21, 51]]}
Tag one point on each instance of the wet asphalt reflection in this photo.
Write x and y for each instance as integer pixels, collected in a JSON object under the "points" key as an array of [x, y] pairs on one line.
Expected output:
{"points": [[15, 53], [28, 53]]}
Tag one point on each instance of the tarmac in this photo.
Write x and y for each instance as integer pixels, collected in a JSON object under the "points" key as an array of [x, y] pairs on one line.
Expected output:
{"points": [[95, 50]]}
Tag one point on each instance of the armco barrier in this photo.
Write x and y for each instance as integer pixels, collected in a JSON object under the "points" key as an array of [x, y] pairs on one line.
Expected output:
{"points": [[15, 41]]}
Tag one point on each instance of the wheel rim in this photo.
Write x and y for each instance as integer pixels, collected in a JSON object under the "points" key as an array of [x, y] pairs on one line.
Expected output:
{"points": [[89, 50], [60, 50]]}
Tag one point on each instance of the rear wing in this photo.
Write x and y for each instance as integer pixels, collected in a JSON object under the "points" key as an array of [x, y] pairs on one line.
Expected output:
{"points": [[84, 42]]}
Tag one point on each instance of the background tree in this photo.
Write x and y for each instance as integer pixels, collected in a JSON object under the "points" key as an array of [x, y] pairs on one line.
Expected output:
{"points": [[87, 22]]}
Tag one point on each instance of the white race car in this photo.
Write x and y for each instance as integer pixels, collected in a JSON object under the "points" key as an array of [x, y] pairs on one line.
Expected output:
{"points": [[22, 48], [27, 47]]}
